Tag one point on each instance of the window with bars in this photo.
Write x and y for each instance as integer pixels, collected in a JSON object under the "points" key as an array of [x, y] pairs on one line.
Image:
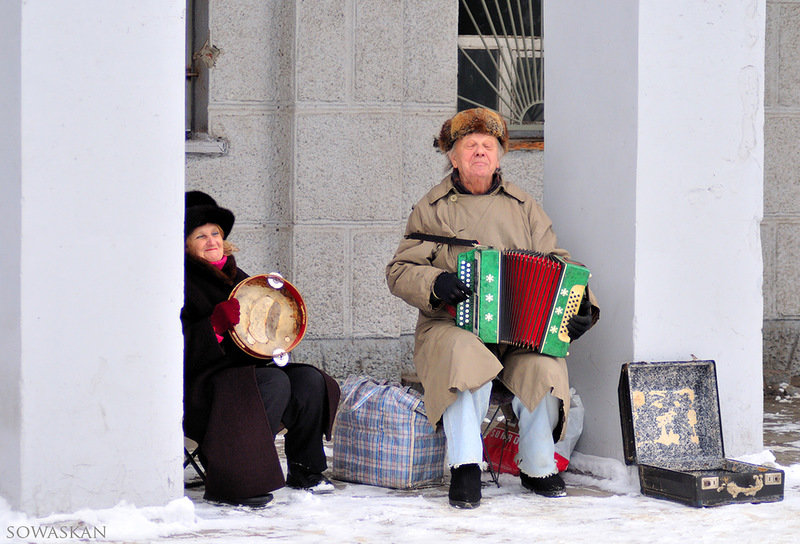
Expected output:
{"points": [[501, 61], [196, 118], [200, 58]]}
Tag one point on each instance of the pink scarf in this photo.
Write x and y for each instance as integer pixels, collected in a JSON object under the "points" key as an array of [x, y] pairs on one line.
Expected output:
{"points": [[220, 263]]}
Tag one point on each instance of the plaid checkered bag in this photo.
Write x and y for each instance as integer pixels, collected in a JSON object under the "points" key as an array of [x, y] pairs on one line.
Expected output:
{"points": [[381, 436]]}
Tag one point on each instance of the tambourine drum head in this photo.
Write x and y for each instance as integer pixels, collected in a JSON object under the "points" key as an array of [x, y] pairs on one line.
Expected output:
{"points": [[270, 319]]}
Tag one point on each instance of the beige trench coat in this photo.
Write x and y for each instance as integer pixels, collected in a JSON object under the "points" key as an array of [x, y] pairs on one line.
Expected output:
{"points": [[449, 359]]}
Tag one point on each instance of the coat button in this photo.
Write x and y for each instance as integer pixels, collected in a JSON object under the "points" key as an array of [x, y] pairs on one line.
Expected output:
{"points": [[453, 198]]}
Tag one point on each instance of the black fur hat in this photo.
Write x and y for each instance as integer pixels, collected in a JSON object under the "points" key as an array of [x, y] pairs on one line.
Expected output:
{"points": [[202, 209]]}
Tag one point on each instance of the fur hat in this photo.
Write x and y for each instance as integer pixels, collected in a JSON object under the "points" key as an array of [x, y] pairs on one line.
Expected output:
{"points": [[202, 209], [465, 122]]}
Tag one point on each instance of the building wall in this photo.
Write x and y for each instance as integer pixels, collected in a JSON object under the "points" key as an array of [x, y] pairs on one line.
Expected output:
{"points": [[330, 145], [781, 225], [329, 109]]}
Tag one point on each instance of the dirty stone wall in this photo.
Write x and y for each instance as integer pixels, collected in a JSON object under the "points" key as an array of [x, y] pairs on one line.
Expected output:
{"points": [[328, 110], [781, 224]]}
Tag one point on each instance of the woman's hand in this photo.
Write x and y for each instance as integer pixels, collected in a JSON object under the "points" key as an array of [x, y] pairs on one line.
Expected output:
{"points": [[225, 315]]}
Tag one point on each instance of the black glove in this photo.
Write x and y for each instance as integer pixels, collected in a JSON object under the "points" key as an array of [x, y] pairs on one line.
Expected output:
{"points": [[580, 322], [449, 289]]}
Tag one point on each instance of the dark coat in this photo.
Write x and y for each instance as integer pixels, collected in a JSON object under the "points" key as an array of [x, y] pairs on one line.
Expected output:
{"points": [[223, 410]]}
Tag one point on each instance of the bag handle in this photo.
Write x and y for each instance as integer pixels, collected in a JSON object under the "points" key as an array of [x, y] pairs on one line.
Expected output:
{"points": [[378, 385], [357, 387]]}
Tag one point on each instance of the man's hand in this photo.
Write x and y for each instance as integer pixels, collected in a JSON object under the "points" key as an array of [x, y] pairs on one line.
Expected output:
{"points": [[449, 289], [580, 322]]}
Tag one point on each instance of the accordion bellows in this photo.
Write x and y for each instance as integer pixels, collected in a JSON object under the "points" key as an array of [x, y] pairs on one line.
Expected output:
{"points": [[521, 297]]}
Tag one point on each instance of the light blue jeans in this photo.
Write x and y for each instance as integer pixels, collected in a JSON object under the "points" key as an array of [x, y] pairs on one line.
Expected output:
{"points": [[462, 427]]}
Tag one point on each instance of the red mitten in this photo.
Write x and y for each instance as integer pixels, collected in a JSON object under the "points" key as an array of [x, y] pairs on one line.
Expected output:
{"points": [[225, 315]]}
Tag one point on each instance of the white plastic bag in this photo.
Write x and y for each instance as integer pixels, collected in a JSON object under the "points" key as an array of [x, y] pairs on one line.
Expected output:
{"points": [[574, 429]]}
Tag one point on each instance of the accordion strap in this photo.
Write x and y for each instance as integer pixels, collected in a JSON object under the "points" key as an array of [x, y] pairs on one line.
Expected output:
{"points": [[453, 241]]}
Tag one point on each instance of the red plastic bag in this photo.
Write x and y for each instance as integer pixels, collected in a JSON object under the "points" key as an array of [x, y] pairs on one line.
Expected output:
{"points": [[501, 441], [501, 444]]}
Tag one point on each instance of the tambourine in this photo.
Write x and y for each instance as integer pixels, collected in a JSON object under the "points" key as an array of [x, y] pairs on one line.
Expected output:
{"points": [[272, 317]]}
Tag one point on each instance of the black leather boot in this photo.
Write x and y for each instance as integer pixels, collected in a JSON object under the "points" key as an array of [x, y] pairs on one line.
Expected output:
{"points": [[546, 486], [300, 477], [465, 486], [254, 502]]}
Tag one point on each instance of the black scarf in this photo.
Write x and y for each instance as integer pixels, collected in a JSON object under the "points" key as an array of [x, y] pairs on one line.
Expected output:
{"points": [[497, 178], [227, 274]]}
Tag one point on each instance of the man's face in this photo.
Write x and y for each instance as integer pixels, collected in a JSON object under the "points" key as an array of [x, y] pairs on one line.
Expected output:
{"points": [[476, 156]]}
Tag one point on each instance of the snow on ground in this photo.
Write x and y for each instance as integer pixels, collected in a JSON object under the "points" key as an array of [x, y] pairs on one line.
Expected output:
{"points": [[605, 506]]}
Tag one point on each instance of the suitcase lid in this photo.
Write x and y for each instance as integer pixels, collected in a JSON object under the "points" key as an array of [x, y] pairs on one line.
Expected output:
{"points": [[670, 414]]}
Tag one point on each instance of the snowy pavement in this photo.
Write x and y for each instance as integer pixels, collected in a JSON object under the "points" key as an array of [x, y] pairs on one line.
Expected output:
{"points": [[603, 504], [782, 429]]}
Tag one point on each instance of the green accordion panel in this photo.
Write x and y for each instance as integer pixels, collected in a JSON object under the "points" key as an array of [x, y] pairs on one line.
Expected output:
{"points": [[480, 270]]}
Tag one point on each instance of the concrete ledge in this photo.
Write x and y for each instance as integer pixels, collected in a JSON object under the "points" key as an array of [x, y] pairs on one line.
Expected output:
{"points": [[207, 146], [387, 358]]}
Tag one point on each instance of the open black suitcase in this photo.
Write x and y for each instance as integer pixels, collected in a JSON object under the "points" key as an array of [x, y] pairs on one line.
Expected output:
{"points": [[671, 428]]}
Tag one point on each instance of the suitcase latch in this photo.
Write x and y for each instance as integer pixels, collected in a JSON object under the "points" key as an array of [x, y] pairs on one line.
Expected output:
{"points": [[772, 478], [709, 482]]}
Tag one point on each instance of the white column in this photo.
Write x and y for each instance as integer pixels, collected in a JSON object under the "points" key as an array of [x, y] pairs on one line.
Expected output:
{"points": [[10, 273], [654, 177], [92, 211]]}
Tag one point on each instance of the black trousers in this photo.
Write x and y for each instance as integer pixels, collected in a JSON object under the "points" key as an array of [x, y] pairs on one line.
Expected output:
{"points": [[295, 396]]}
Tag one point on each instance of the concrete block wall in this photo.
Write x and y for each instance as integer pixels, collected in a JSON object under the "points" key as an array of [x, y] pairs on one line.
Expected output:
{"points": [[364, 123], [250, 97], [329, 109], [781, 224]]}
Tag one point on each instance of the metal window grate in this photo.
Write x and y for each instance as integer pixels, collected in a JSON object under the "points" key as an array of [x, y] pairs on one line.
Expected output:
{"points": [[501, 61]]}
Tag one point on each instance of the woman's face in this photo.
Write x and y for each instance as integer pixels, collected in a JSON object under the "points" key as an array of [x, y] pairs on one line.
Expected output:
{"points": [[476, 156], [205, 242]]}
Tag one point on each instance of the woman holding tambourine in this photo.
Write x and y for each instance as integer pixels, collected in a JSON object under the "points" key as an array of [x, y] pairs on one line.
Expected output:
{"points": [[239, 388]]}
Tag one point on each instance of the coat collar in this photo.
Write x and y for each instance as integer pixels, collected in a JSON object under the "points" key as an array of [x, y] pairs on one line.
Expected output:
{"points": [[198, 266], [445, 187]]}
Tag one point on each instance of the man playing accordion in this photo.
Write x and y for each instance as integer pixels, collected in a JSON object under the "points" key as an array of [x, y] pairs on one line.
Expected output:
{"points": [[456, 368]]}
